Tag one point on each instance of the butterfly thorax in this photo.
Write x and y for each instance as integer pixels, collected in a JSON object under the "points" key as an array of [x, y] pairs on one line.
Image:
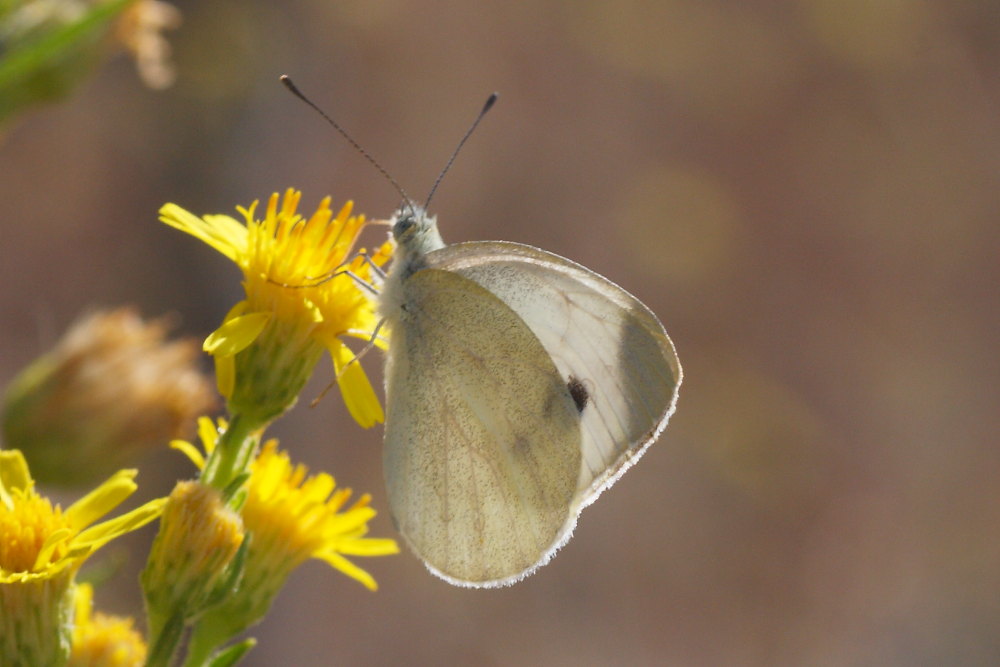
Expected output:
{"points": [[416, 234]]}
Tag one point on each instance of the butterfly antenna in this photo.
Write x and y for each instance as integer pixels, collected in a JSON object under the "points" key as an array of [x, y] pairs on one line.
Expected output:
{"points": [[299, 94], [490, 101]]}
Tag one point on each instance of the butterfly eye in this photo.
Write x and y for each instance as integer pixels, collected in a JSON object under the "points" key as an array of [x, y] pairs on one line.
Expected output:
{"points": [[403, 225]]}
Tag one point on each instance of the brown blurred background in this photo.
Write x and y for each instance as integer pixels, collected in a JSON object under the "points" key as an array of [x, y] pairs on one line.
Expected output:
{"points": [[807, 194]]}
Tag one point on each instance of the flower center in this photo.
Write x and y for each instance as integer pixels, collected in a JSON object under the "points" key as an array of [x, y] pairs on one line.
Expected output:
{"points": [[24, 527]]}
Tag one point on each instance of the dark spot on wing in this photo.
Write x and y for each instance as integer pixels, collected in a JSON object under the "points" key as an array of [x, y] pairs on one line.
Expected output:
{"points": [[521, 446], [579, 392]]}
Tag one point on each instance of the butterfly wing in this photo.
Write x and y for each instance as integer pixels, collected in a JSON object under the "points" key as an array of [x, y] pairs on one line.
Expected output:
{"points": [[611, 351], [482, 444]]}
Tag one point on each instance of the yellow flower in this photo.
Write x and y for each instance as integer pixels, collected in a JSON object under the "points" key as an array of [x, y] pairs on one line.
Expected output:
{"points": [[41, 548], [300, 300], [290, 517], [294, 517], [193, 560], [101, 640]]}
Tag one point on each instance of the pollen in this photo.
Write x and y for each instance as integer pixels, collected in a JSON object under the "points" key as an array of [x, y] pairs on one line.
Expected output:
{"points": [[25, 525]]}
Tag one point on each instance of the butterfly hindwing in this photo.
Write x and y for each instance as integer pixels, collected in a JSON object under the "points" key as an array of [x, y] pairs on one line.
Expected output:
{"points": [[612, 353]]}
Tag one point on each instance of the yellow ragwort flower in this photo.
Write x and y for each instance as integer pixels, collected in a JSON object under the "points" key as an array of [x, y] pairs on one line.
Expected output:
{"points": [[294, 517], [103, 640], [290, 517], [191, 563], [41, 549], [299, 302]]}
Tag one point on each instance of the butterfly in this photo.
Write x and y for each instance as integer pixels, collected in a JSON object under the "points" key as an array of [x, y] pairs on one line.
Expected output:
{"points": [[519, 386]]}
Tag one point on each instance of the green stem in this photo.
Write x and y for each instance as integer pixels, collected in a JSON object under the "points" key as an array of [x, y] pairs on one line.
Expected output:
{"points": [[165, 644], [232, 454], [199, 650]]}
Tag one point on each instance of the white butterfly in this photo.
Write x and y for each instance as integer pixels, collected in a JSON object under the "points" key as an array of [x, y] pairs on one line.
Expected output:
{"points": [[519, 386]]}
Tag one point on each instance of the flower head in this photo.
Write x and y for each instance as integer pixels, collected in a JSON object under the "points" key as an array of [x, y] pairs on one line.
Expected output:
{"points": [[302, 297], [38, 540], [42, 547], [294, 516], [193, 560], [291, 517], [139, 29], [112, 387], [102, 640]]}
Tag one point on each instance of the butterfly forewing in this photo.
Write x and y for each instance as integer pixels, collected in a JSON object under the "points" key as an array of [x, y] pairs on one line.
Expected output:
{"points": [[611, 352], [483, 435]]}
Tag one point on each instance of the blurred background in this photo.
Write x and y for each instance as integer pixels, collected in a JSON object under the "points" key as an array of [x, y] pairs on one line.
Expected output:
{"points": [[806, 192]]}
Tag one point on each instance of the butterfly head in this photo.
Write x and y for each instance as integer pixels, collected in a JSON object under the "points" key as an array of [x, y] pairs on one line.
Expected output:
{"points": [[415, 231]]}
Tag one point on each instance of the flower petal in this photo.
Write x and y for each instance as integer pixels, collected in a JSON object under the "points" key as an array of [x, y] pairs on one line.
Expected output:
{"points": [[238, 309], [359, 396], [102, 500], [219, 231], [83, 601], [54, 539], [351, 520], [208, 432], [100, 534], [369, 546], [225, 375], [14, 474], [236, 334], [190, 451], [348, 568]]}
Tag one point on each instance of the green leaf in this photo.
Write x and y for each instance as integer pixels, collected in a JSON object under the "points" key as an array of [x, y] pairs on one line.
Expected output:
{"points": [[47, 64], [233, 654]]}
